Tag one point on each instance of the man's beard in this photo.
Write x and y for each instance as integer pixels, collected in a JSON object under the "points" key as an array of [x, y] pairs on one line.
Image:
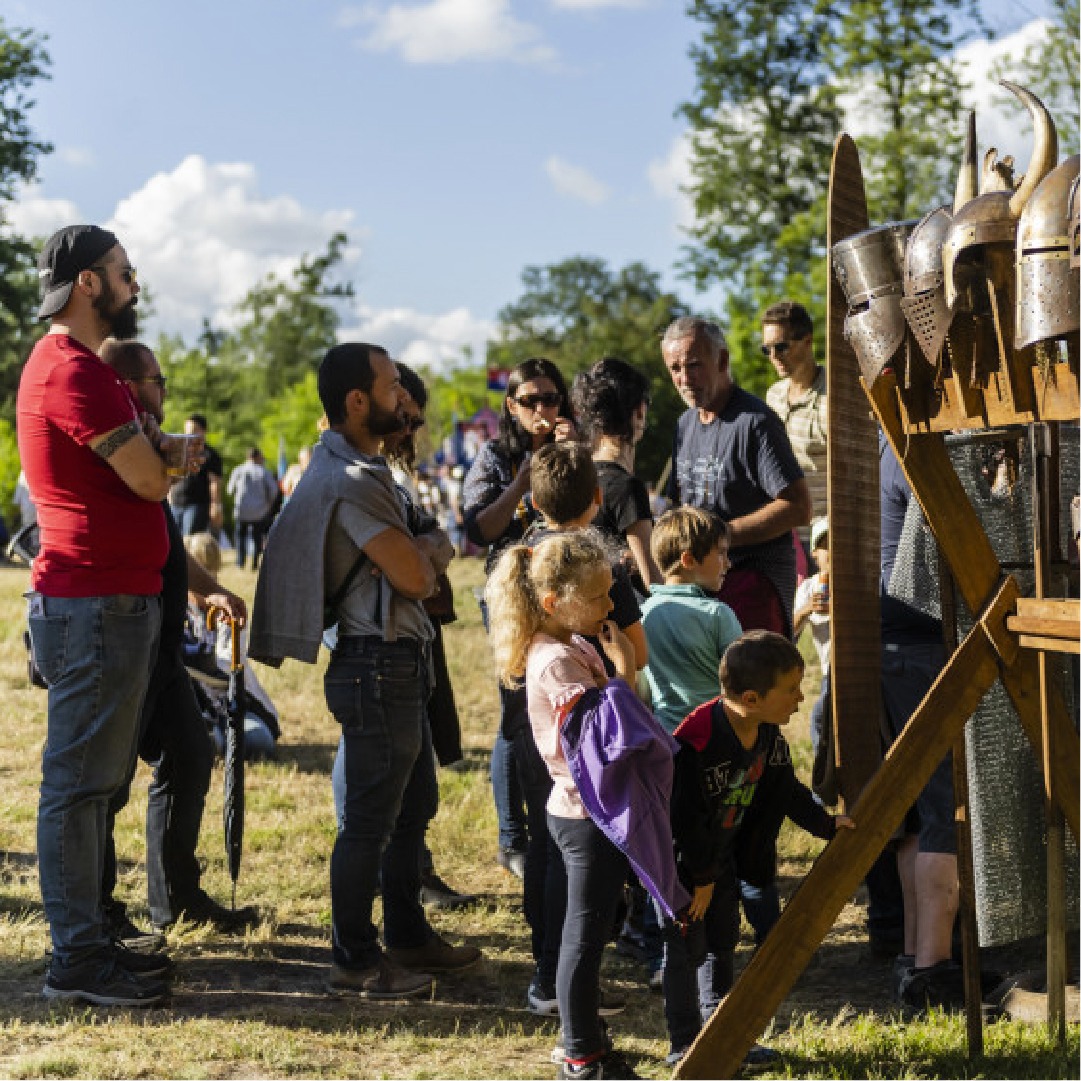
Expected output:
{"points": [[123, 322], [384, 421]]}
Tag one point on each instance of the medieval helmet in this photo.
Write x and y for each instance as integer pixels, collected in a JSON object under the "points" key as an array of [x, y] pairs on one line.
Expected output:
{"points": [[868, 266], [991, 217], [924, 303], [1047, 289]]}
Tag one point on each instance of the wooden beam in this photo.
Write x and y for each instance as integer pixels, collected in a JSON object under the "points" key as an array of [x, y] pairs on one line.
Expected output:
{"points": [[931, 731]]}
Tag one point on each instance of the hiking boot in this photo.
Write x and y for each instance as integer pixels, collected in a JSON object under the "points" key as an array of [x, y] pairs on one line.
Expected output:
{"points": [[119, 927], [541, 999], [383, 980], [436, 955], [141, 962], [512, 860], [103, 981], [202, 908], [760, 1057], [612, 1064], [435, 893], [941, 985]]}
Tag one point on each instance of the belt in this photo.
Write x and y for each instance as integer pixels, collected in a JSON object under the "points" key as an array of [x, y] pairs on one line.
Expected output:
{"points": [[363, 643]]}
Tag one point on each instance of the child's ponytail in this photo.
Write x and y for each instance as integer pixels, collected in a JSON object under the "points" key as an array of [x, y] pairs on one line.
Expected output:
{"points": [[514, 613]]}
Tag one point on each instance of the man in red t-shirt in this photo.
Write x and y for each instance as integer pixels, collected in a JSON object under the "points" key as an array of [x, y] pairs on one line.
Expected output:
{"points": [[96, 473]]}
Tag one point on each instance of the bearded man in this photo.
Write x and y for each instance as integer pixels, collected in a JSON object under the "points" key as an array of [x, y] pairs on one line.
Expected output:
{"points": [[342, 551], [96, 474]]}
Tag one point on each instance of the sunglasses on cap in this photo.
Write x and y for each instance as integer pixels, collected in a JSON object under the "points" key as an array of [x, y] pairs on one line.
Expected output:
{"points": [[532, 401]]}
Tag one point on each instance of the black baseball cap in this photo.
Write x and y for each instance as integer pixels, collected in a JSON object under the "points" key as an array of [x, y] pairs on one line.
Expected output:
{"points": [[66, 254]]}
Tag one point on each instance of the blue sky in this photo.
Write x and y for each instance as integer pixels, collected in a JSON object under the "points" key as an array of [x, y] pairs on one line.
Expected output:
{"points": [[454, 141]]}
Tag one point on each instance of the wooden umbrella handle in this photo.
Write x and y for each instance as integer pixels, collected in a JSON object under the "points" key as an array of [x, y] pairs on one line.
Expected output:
{"points": [[216, 614]]}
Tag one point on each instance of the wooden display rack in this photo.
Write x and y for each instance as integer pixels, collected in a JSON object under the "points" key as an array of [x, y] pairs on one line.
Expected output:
{"points": [[1010, 641]]}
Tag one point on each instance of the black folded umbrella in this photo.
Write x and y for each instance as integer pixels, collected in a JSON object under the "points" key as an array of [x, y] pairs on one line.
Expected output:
{"points": [[233, 803]]}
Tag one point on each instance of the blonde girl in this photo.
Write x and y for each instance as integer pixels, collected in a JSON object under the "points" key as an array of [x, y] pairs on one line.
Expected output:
{"points": [[542, 602]]}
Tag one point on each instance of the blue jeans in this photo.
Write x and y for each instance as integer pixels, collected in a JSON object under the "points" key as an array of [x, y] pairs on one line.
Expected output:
{"points": [[378, 692], [194, 518], [96, 654], [761, 906], [596, 871], [699, 967]]}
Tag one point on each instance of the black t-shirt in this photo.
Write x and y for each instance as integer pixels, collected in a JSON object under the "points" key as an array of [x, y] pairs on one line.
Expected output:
{"points": [[194, 491], [174, 587], [624, 501]]}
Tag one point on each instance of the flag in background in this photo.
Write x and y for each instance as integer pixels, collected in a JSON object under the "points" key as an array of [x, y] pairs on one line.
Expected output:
{"points": [[497, 378], [283, 460]]}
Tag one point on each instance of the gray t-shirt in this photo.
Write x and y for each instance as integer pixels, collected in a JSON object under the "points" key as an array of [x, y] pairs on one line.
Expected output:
{"points": [[367, 603]]}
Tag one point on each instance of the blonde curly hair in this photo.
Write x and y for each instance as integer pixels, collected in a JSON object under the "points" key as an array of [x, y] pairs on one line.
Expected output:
{"points": [[559, 563]]}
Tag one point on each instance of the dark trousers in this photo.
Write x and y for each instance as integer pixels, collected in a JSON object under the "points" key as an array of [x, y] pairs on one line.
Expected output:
{"points": [[253, 533], [174, 740], [596, 871], [378, 692], [544, 884], [699, 966]]}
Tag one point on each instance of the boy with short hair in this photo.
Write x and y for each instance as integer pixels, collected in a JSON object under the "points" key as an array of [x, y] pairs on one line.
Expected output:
{"points": [[732, 753], [687, 628]]}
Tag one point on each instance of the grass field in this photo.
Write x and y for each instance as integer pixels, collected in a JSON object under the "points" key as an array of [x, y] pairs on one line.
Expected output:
{"points": [[255, 1006]]}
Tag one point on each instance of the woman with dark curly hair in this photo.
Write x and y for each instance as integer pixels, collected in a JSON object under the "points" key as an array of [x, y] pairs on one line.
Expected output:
{"points": [[611, 400], [497, 510]]}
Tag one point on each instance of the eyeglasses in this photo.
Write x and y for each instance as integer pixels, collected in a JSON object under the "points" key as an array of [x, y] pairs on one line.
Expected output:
{"points": [[128, 275], [159, 379], [531, 401], [780, 348]]}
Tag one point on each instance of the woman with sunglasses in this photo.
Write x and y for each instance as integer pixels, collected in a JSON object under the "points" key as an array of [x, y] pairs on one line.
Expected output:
{"points": [[497, 511]]}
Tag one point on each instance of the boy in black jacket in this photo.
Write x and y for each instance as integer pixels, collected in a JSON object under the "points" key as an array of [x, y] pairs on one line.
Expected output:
{"points": [[734, 785]]}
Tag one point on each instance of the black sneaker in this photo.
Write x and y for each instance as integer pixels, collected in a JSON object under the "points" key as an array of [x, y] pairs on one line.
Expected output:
{"points": [[512, 860], [613, 1065], [435, 893], [156, 963], [760, 1057], [119, 927], [202, 908], [103, 981], [541, 999]]}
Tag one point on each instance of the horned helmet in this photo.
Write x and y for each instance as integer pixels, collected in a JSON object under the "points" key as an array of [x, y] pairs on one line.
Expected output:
{"points": [[869, 268], [1047, 287], [991, 217]]}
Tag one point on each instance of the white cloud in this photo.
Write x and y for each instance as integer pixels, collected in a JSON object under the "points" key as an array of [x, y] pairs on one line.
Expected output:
{"points": [[434, 342], [78, 156], [670, 176], [203, 235], [596, 5], [575, 182], [33, 215], [448, 31]]}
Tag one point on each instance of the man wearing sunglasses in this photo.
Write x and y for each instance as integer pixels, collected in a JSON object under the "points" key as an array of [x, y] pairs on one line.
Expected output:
{"points": [[799, 398], [97, 478]]}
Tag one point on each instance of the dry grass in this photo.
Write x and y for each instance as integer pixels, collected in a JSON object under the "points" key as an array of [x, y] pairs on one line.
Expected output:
{"points": [[255, 1006]]}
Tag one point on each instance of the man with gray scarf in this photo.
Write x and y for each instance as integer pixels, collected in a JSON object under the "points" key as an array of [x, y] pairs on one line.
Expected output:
{"points": [[343, 542]]}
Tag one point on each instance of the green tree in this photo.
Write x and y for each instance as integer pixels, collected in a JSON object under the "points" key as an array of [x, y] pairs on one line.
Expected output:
{"points": [[1049, 69], [576, 312], [23, 60]]}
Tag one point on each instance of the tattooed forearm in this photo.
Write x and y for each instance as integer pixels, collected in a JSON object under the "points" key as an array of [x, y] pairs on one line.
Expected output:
{"points": [[115, 440]]}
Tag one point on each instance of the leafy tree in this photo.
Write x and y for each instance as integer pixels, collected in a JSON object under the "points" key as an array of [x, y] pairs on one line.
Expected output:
{"points": [[892, 56], [23, 60], [1049, 69], [576, 312]]}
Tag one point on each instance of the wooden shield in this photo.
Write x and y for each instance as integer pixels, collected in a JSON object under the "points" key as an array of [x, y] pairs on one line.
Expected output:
{"points": [[853, 501]]}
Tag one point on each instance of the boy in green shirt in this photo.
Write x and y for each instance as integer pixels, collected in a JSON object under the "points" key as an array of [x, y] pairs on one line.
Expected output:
{"points": [[687, 628]]}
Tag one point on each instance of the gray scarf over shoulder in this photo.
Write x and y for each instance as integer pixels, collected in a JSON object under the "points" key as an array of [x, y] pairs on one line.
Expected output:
{"points": [[287, 615]]}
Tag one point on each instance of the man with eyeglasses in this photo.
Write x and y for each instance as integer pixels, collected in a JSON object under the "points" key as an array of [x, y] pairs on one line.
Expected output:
{"points": [[173, 735], [96, 472], [799, 399]]}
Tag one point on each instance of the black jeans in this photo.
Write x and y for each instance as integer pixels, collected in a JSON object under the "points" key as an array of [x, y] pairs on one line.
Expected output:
{"points": [[173, 739], [544, 884], [378, 692], [596, 871]]}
